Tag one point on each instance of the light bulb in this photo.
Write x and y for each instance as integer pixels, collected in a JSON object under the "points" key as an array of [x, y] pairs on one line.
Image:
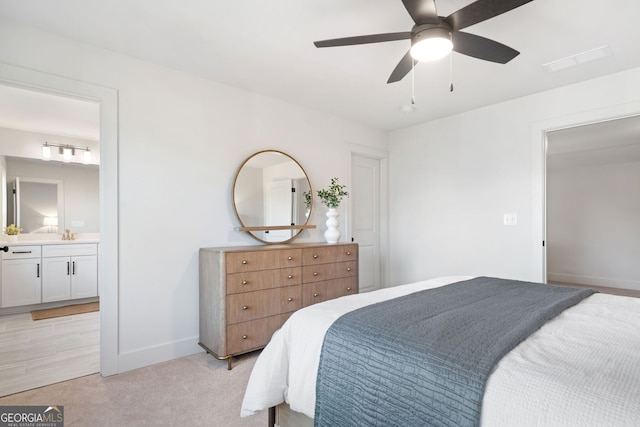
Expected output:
{"points": [[87, 156], [431, 48], [66, 154], [46, 152]]}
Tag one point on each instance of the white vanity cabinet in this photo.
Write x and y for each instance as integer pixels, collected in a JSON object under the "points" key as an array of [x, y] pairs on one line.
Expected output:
{"points": [[21, 276], [69, 271]]}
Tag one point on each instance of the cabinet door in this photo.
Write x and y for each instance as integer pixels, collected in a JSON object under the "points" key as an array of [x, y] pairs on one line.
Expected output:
{"points": [[84, 276], [56, 279], [21, 283]]}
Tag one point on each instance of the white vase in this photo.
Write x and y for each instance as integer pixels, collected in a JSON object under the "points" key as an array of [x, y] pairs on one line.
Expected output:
{"points": [[332, 234], [11, 238]]}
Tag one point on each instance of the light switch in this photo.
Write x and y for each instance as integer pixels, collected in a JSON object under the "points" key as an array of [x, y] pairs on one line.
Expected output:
{"points": [[510, 219]]}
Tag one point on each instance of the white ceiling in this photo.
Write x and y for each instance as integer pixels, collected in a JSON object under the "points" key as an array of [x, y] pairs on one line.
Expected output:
{"points": [[267, 47], [46, 113]]}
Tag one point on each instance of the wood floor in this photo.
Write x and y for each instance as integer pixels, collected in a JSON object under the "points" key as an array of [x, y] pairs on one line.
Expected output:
{"points": [[42, 352]]}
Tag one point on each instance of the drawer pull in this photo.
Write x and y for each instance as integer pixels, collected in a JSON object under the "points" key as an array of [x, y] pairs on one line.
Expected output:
{"points": [[348, 268], [244, 261], [244, 282], [244, 307], [244, 337], [315, 256], [290, 258], [348, 253], [290, 277], [315, 294], [315, 273], [289, 299], [20, 252]]}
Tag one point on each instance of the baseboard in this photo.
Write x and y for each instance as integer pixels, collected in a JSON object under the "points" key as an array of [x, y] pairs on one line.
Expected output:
{"points": [[158, 354], [593, 281]]}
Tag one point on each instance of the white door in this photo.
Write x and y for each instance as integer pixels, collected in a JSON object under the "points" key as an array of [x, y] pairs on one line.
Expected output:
{"points": [[278, 208], [365, 222]]}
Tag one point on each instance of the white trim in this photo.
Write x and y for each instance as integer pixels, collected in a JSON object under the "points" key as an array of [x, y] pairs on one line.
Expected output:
{"points": [[383, 157], [158, 354], [594, 281], [108, 258], [539, 150]]}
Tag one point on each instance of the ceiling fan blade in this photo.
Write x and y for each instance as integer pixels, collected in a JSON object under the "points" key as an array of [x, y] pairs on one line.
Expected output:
{"points": [[481, 10], [404, 66], [422, 11], [373, 38], [482, 48]]}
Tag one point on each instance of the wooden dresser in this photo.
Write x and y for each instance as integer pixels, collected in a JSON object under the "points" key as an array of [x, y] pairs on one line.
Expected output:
{"points": [[247, 293]]}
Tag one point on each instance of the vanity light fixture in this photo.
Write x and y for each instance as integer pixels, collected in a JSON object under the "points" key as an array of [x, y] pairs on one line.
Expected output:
{"points": [[66, 151]]}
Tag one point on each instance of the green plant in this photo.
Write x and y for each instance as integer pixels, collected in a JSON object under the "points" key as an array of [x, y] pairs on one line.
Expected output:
{"points": [[307, 198], [332, 196], [12, 230]]}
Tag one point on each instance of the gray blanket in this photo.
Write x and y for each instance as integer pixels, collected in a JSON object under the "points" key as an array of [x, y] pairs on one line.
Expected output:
{"points": [[423, 359]]}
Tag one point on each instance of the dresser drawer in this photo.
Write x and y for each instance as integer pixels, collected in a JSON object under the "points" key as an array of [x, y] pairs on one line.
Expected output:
{"points": [[255, 305], [237, 262], [21, 252], [252, 335], [328, 254], [259, 280], [317, 273], [330, 289]]}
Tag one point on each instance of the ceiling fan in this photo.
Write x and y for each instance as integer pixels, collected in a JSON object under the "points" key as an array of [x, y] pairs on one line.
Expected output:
{"points": [[433, 37]]}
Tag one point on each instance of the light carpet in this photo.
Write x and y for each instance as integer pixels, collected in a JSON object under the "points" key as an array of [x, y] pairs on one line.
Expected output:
{"points": [[196, 390]]}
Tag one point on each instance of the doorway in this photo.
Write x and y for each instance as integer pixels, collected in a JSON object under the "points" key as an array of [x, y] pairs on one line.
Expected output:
{"points": [[368, 218], [593, 205], [42, 352], [106, 98]]}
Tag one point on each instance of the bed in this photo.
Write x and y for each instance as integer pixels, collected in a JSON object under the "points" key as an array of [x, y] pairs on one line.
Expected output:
{"points": [[581, 368]]}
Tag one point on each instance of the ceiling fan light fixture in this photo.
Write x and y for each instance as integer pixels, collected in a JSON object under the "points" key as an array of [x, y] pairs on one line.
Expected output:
{"points": [[431, 44]]}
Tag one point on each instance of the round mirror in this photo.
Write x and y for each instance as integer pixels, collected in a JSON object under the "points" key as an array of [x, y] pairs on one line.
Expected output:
{"points": [[272, 197]]}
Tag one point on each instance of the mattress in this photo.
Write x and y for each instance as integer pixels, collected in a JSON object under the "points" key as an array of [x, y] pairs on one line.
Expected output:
{"points": [[581, 368]]}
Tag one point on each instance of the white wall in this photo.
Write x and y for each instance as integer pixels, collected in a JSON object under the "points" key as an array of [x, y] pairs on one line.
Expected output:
{"points": [[453, 179], [593, 224], [181, 139]]}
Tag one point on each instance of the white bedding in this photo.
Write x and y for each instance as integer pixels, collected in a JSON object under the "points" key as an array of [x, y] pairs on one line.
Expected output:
{"points": [[580, 369]]}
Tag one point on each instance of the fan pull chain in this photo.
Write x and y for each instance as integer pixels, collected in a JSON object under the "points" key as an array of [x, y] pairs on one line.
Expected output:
{"points": [[451, 72], [413, 81]]}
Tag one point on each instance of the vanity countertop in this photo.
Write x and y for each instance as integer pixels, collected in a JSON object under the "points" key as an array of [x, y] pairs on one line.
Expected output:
{"points": [[47, 242]]}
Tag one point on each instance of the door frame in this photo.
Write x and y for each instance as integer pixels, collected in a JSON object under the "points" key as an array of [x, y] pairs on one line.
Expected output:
{"points": [[108, 276], [539, 171], [383, 157]]}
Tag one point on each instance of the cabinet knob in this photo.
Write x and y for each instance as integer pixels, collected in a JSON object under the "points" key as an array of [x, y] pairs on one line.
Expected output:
{"points": [[244, 337], [290, 258], [348, 289], [290, 277], [244, 307], [348, 253], [315, 273], [244, 261], [348, 268], [244, 282], [315, 294], [289, 299], [315, 256]]}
